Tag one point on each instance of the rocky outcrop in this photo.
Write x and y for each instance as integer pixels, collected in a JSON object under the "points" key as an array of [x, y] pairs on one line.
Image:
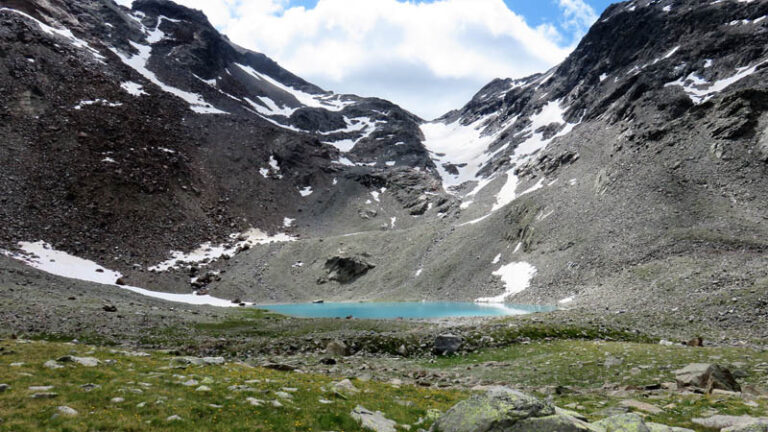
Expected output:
{"points": [[707, 377], [346, 269], [501, 409]]}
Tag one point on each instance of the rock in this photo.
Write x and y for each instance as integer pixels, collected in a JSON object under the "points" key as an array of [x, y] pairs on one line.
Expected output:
{"points": [[283, 395], [40, 388], [173, 418], [90, 386], [446, 344], [753, 427], [203, 388], [374, 421], [66, 411], [656, 427], [82, 361], [4, 388], [276, 404], [504, 409], [242, 388], [44, 395], [695, 342], [279, 367], [52, 364], [328, 361], [642, 406], [117, 400], [109, 308], [337, 348], [197, 361], [612, 362], [623, 423], [706, 376], [347, 269], [729, 421], [253, 401], [345, 386], [190, 383]]}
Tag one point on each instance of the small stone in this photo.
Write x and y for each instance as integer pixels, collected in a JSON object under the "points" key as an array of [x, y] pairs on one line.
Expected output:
{"points": [[255, 402], [283, 395], [642, 406], [40, 388], [66, 411], [117, 400], [90, 386], [52, 364], [203, 388], [276, 404], [345, 386], [17, 364], [173, 418], [190, 383], [44, 395]]}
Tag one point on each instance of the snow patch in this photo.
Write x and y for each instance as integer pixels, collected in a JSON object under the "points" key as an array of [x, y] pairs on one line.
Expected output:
{"points": [[307, 191], [42, 256], [516, 277], [700, 91], [288, 222], [207, 252], [132, 88]]}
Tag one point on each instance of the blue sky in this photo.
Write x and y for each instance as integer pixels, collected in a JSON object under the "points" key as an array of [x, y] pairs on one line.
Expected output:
{"points": [[428, 56]]}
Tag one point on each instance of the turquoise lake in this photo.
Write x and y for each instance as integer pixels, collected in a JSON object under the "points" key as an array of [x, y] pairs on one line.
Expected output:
{"points": [[419, 310]]}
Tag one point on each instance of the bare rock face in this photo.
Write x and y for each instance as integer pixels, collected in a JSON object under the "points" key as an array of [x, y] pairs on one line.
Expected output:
{"points": [[344, 269]]}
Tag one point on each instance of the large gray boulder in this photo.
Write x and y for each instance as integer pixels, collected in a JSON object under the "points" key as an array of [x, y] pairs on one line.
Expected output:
{"points": [[706, 376], [633, 423], [447, 344], [374, 421], [502, 409]]}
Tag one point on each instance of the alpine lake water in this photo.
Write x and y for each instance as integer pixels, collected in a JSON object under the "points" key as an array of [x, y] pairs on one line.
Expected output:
{"points": [[405, 310]]}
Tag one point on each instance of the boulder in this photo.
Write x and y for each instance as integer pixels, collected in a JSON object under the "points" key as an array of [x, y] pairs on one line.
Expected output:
{"points": [[374, 421], [706, 376], [752, 427], [504, 409], [345, 386], [623, 423], [729, 422], [337, 348], [82, 361], [446, 344]]}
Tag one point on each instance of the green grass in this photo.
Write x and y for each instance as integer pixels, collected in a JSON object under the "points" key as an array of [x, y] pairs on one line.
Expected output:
{"points": [[581, 364], [155, 382]]}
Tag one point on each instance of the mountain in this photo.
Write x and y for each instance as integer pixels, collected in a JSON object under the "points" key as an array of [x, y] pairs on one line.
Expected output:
{"points": [[632, 176], [131, 133]]}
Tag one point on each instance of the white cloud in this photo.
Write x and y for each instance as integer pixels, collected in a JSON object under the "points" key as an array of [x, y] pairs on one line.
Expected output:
{"points": [[427, 57]]}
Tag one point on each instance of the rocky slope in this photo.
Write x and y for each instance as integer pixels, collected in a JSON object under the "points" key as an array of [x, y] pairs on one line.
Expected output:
{"points": [[128, 134], [629, 177]]}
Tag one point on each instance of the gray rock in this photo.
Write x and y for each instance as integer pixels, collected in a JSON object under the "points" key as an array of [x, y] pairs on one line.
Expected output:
{"points": [[623, 423], [203, 388], [82, 361], [706, 376], [752, 427], [345, 386], [446, 344], [656, 427], [503, 409], [197, 361], [44, 395], [66, 411], [337, 348], [729, 421], [173, 418], [374, 421], [52, 364]]}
